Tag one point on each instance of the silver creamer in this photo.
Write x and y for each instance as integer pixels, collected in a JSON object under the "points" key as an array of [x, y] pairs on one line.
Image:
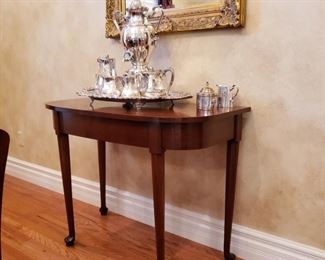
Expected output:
{"points": [[226, 96]]}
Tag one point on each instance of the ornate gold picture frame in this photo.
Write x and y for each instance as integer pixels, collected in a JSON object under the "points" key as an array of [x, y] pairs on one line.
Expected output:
{"points": [[214, 15]]}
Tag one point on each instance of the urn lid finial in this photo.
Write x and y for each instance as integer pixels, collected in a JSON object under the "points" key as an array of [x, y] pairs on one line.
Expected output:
{"points": [[136, 7]]}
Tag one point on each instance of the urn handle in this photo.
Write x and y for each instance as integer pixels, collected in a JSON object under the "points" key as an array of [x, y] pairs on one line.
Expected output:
{"points": [[160, 11], [118, 18]]}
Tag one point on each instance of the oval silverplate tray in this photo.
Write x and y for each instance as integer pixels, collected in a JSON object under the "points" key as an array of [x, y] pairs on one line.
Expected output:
{"points": [[93, 94]]}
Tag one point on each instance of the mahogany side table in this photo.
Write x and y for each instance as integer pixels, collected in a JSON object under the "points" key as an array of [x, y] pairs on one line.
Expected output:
{"points": [[179, 128]]}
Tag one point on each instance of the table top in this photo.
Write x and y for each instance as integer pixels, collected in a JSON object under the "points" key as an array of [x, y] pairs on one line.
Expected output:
{"points": [[180, 112]]}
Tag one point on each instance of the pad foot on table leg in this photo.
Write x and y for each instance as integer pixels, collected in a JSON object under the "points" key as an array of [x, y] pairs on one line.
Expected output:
{"points": [[69, 241], [229, 256], [103, 211]]}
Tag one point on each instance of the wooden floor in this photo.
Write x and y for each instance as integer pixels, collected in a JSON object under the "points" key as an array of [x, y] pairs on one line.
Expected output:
{"points": [[34, 225]]}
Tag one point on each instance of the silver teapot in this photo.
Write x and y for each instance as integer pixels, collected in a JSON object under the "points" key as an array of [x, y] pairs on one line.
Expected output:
{"points": [[138, 36]]}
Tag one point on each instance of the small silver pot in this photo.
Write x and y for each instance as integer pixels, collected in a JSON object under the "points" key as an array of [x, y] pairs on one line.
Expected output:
{"points": [[206, 99]]}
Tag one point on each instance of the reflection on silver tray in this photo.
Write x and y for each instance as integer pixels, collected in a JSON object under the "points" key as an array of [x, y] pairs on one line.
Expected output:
{"points": [[94, 94]]}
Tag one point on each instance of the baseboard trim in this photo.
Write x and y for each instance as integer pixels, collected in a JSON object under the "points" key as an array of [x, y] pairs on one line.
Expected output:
{"points": [[247, 243]]}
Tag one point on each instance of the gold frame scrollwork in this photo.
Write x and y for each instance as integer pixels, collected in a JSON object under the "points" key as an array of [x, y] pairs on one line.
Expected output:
{"points": [[219, 14]]}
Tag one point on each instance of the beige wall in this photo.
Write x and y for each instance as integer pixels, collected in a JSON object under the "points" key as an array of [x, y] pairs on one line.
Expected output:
{"points": [[48, 51]]}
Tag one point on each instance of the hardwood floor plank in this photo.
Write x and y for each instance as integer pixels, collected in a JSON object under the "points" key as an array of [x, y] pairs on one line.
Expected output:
{"points": [[34, 225]]}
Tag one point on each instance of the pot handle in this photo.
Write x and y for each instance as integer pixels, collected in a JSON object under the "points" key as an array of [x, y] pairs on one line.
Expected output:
{"points": [[172, 77], [233, 88]]}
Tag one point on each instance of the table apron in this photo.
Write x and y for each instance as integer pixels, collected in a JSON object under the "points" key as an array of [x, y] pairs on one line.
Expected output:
{"points": [[103, 129], [174, 136], [200, 135]]}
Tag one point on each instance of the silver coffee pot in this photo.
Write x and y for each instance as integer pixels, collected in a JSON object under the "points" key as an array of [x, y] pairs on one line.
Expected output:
{"points": [[106, 66], [138, 36], [105, 78]]}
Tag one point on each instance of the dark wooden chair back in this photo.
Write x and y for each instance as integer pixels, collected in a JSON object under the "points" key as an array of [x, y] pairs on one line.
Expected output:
{"points": [[4, 147]]}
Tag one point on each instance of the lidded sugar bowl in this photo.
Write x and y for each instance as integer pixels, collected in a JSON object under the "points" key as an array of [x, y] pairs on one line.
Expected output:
{"points": [[206, 99]]}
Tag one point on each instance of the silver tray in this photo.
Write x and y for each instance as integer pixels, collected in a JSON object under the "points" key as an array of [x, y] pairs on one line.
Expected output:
{"points": [[94, 94]]}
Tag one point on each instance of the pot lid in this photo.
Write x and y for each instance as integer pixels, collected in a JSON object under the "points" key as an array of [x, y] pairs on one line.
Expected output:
{"points": [[207, 91]]}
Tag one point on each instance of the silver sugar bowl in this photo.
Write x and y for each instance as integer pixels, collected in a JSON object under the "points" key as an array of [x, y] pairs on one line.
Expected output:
{"points": [[206, 99]]}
